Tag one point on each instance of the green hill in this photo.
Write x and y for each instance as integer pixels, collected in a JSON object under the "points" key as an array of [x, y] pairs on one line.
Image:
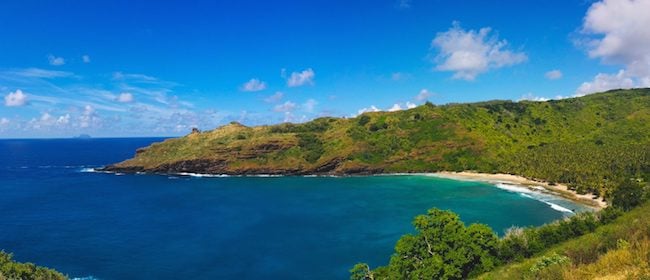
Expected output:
{"points": [[592, 143]]}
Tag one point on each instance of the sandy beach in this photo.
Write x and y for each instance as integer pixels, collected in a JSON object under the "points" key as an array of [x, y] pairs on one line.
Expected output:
{"points": [[557, 189]]}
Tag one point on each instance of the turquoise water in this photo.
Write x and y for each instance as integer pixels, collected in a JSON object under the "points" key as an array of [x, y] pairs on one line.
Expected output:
{"points": [[169, 227]]}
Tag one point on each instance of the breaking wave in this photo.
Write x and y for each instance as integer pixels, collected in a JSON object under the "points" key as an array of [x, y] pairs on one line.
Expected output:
{"points": [[535, 194]]}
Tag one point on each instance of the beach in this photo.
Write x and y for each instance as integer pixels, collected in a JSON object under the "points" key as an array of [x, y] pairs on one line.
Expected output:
{"points": [[556, 189]]}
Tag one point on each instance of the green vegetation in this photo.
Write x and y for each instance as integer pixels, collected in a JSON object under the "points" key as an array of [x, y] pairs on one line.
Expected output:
{"points": [[598, 143], [444, 248], [592, 143], [618, 250], [10, 269]]}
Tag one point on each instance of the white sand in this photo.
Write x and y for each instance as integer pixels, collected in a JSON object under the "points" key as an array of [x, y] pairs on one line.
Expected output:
{"points": [[558, 189]]}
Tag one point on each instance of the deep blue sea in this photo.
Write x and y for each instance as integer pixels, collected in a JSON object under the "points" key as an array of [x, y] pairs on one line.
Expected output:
{"points": [[108, 226]]}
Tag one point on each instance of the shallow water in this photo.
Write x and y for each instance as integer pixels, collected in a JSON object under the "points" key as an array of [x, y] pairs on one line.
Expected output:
{"points": [[165, 227]]}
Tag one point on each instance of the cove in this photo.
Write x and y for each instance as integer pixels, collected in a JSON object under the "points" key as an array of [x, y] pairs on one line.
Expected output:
{"points": [[167, 227]]}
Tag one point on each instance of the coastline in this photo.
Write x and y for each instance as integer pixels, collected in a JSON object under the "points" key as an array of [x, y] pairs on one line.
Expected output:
{"points": [[557, 189], [517, 181]]}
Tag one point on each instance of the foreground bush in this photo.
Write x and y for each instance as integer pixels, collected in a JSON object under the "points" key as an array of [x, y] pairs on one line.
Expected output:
{"points": [[10, 269]]}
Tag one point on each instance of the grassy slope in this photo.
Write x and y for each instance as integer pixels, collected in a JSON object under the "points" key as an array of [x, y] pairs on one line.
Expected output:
{"points": [[591, 143], [10, 269], [620, 250]]}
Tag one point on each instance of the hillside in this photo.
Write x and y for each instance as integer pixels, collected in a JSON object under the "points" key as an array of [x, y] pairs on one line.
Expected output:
{"points": [[620, 250], [591, 143]]}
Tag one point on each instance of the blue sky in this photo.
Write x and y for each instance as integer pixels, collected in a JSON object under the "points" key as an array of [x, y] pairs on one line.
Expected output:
{"points": [[159, 68]]}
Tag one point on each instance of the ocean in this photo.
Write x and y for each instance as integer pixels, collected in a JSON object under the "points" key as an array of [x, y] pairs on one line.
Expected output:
{"points": [[55, 213]]}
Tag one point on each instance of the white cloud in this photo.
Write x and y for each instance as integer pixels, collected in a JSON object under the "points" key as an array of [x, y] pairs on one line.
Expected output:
{"points": [[253, 85], [309, 105], [396, 107], [46, 117], [372, 108], [604, 82], [531, 97], [285, 107], [470, 53], [89, 118], [553, 74], [15, 99], [85, 58], [617, 33], [56, 61], [4, 122], [410, 105], [125, 97], [46, 121], [63, 120], [277, 96], [623, 36], [305, 77], [423, 95], [36, 73]]}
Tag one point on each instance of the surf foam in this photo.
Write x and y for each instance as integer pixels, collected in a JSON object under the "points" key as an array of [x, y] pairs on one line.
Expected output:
{"points": [[534, 194]]}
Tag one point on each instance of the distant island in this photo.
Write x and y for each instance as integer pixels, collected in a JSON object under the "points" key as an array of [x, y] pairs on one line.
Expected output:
{"points": [[590, 143], [82, 136]]}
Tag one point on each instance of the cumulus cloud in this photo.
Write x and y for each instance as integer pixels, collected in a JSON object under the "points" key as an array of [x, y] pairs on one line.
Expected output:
{"points": [[399, 107], [372, 108], [396, 107], [56, 61], [423, 95], [4, 122], [309, 105], [89, 117], [253, 85], [532, 97], [277, 96], [85, 58], [410, 105], [47, 121], [63, 120], [125, 97], [553, 74], [305, 77], [470, 53], [617, 33], [623, 36], [285, 107], [604, 82], [16, 99]]}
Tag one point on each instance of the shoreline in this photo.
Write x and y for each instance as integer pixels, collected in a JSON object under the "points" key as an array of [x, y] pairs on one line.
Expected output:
{"points": [[557, 189]]}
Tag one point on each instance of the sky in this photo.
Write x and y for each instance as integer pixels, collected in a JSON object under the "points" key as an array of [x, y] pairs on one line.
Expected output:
{"points": [[160, 68]]}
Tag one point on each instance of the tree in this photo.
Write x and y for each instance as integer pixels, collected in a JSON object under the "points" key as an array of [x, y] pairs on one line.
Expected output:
{"points": [[628, 195], [443, 248], [361, 271]]}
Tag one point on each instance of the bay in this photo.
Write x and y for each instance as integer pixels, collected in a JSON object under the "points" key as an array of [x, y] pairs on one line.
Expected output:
{"points": [[109, 226]]}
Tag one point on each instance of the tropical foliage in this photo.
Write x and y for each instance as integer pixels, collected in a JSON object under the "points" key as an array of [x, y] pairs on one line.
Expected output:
{"points": [[10, 269], [592, 143], [443, 248]]}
